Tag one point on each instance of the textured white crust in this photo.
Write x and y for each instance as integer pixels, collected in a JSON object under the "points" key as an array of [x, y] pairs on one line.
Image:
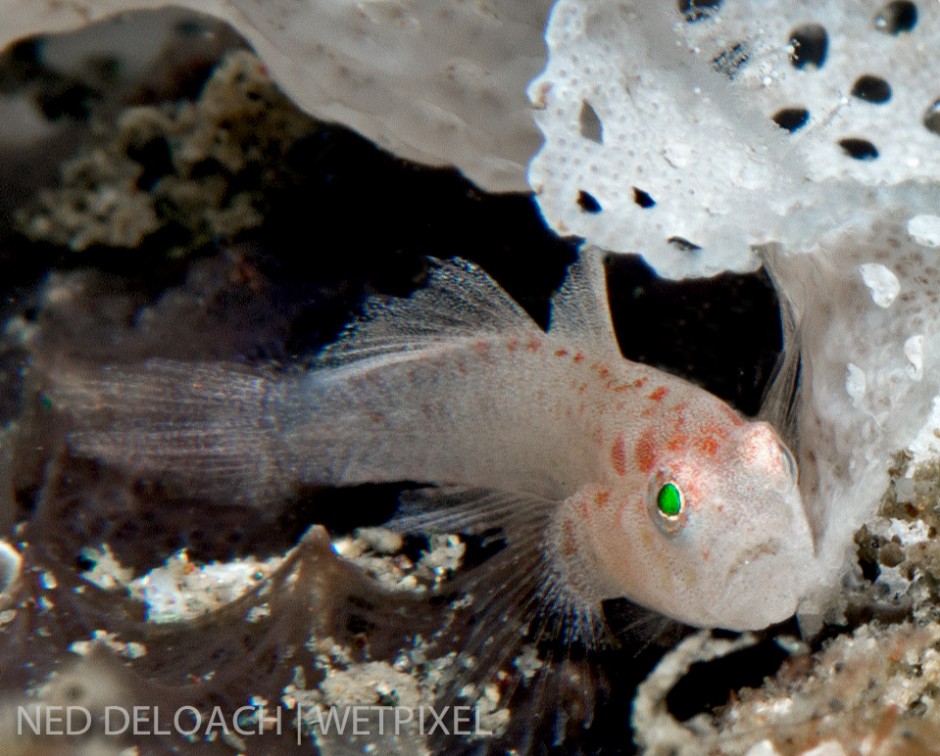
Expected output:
{"points": [[857, 46], [438, 82], [638, 104], [669, 128]]}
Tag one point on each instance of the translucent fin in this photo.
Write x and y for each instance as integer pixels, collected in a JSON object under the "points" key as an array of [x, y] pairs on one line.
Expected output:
{"points": [[639, 628], [215, 426], [580, 309], [781, 397], [517, 608], [458, 299]]}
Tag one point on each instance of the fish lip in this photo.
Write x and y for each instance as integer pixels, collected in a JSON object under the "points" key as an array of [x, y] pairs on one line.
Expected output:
{"points": [[780, 604], [767, 547]]}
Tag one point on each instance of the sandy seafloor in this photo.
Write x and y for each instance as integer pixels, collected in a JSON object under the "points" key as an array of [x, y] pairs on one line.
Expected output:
{"points": [[171, 203]]}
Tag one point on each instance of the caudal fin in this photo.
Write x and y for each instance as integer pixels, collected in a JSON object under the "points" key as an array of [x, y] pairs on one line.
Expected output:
{"points": [[214, 428]]}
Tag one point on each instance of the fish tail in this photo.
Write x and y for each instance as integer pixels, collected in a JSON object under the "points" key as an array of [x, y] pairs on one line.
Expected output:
{"points": [[215, 426]]}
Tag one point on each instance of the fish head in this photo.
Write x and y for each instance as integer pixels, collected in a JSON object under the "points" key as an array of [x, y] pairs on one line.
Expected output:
{"points": [[720, 538], [735, 524]]}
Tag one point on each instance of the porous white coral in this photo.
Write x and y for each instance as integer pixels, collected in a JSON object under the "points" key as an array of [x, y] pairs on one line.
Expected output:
{"points": [[690, 137], [638, 137]]}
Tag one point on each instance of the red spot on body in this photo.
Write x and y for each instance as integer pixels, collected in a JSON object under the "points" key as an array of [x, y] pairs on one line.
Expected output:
{"points": [[618, 456], [561, 352], [677, 442], [579, 357], [645, 452], [658, 394], [709, 440], [601, 498], [640, 382], [534, 345], [569, 544], [708, 445], [512, 345], [482, 347], [621, 387]]}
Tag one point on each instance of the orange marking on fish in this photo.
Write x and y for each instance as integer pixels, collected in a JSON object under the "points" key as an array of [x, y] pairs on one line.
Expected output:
{"points": [[640, 382], [678, 442], [679, 414], [645, 452], [534, 345], [658, 394], [708, 445], [569, 544], [512, 345], [482, 347], [602, 498], [561, 352], [618, 456], [579, 357]]}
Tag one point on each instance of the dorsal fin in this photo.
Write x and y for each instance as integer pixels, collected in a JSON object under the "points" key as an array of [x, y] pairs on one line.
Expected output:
{"points": [[458, 300], [580, 309]]}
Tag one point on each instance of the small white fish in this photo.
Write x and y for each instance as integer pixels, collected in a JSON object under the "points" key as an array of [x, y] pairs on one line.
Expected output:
{"points": [[610, 478]]}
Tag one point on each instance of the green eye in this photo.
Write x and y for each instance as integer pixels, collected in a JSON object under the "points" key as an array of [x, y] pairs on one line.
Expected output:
{"points": [[669, 500], [666, 504]]}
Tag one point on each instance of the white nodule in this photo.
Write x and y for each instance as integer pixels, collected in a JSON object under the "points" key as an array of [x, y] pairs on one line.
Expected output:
{"points": [[884, 285], [10, 561], [854, 382], [925, 230], [914, 351]]}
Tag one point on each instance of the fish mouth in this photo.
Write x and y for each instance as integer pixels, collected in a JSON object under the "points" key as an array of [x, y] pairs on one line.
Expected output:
{"points": [[759, 586], [746, 560]]}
